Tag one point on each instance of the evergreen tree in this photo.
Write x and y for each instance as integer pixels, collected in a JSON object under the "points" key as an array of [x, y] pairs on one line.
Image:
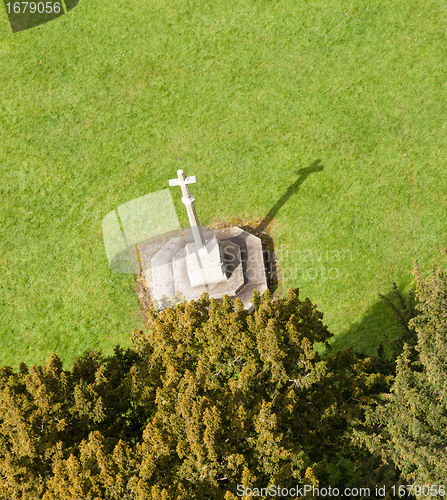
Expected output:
{"points": [[210, 397], [46, 414], [409, 426]]}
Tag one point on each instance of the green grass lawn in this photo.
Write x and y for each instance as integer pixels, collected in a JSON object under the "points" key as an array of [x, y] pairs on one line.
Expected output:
{"points": [[99, 106]]}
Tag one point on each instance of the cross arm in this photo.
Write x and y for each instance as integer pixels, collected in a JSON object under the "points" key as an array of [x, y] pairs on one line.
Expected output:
{"points": [[189, 180]]}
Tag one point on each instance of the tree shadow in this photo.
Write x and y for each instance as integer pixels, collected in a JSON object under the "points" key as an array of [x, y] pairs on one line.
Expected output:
{"points": [[380, 324], [303, 175]]}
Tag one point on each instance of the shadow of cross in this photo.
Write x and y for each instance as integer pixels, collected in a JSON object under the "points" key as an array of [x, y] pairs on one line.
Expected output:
{"points": [[304, 173]]}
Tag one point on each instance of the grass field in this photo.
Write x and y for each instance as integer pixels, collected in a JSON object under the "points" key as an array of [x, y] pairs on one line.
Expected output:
{"points": [[104, 104]]}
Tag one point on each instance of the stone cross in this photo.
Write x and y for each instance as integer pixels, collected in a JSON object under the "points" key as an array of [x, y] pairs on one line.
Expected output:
{"points": [[188, 201]]}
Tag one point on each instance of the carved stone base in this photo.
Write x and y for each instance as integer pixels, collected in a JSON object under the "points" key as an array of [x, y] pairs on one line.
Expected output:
{"points": [[242, 264]]}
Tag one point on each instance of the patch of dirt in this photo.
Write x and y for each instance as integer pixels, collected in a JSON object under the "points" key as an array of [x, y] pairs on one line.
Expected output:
{"points": [[144, 298]]}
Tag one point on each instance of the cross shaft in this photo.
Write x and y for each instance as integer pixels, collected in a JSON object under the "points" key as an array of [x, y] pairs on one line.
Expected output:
{"points": [[188, 201]]}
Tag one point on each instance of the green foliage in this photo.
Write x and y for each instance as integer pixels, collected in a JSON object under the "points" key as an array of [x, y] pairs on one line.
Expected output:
{"points": [[408, 427], [233, 385], [46, 414], [212, 396]]}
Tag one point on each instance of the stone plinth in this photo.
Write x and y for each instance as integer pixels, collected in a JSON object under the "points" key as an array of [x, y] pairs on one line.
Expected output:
{"points": [[230, 286], [242, 265], [205, 269]]}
